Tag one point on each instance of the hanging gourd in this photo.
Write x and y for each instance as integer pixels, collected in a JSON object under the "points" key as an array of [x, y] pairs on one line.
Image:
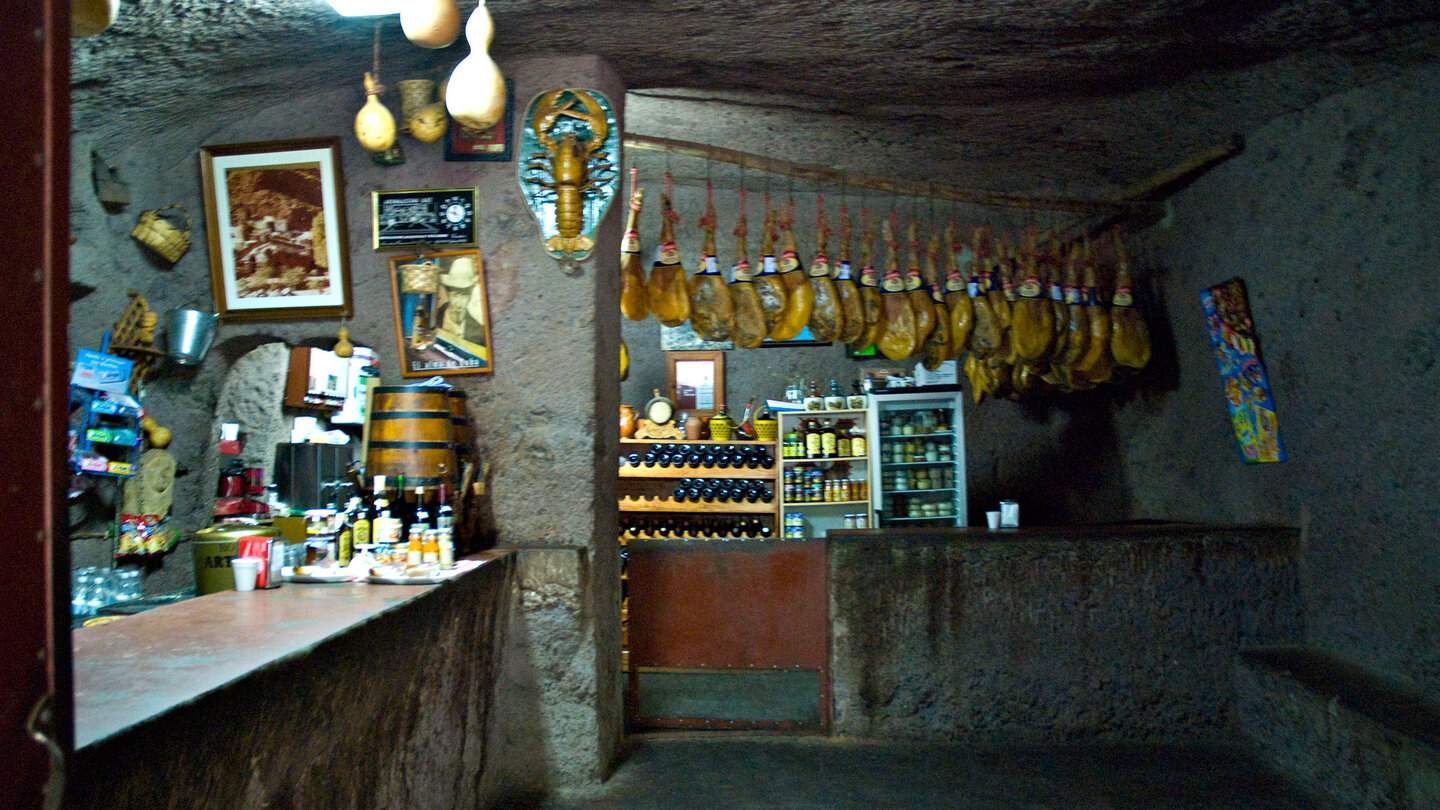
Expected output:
{"points": [[431, 23], [568, 179], [374, 125], [475, 95]]}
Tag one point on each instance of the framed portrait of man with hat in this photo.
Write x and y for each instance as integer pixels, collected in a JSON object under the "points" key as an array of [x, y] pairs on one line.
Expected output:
{"points": [[441, 316]]}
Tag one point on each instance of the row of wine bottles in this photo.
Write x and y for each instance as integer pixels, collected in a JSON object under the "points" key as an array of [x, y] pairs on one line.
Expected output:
{"points": [[687, 455], [724, 490], [634, 525]]}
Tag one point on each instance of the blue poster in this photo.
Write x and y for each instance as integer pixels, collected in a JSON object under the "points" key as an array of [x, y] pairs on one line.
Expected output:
{"points": [[1247, 389]]}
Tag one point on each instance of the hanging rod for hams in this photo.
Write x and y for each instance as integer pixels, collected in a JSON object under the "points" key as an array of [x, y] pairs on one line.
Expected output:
{"points": [[939, 191]]}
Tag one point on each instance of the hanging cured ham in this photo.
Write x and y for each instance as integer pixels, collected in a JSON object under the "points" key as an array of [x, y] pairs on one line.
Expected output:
{"points": [[1031, 319], [1050, 263], [825, 315], [1129, 336], [915, 288], [987, 334], [712, 313], [957, 299], [667, 291], [852, 311], [1095, 365], [634, 301], [1077, 327], [937, 348], [767, 283], [869, 288], [999, 281], [750, 329], [897, 339], [799, 295]]}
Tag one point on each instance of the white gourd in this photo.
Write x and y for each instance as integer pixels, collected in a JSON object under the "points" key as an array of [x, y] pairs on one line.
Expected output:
{"points": [[431, 23], [475, 95]]}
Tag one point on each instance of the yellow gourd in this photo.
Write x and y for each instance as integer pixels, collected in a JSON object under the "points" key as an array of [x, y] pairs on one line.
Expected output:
{"points": [[374, 125], [475, 95], [431, 23]]}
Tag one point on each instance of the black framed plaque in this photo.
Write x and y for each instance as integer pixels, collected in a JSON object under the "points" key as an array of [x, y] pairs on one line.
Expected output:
{"points": [[433, 217]]}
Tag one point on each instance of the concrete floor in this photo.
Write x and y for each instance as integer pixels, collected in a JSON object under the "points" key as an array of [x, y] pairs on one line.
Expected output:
{"points": [[735, 771]]}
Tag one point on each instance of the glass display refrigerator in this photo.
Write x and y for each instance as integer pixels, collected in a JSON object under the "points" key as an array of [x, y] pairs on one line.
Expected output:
{"points": [[917, 470]]}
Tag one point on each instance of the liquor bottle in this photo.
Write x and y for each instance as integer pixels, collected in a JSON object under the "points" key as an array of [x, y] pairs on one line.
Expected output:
{"points": [[812, 439], [843, 444], [361, 528], [345, 533], [827, 440], [444, 513], [858, 447], [421, 515], [746, 429]]}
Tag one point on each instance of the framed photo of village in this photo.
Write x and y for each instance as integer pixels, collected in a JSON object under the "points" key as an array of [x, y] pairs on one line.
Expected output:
{"points": [[275, 224]]}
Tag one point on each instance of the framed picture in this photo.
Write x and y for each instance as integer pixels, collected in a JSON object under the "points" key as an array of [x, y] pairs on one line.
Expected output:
{"points": [[435, 217], [442, 319], [696, 381], [463, 143], [275, 223]]}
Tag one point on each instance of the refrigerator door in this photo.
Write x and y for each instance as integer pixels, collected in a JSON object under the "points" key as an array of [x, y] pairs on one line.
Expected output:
{"points": [[918, 463]]}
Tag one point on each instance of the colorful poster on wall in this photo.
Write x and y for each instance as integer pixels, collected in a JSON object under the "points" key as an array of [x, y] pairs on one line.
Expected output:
{"points": [[1247, 390]]}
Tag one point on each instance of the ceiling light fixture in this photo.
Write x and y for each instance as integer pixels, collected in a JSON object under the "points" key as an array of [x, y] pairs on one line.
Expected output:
{"points": [[366, 8]]}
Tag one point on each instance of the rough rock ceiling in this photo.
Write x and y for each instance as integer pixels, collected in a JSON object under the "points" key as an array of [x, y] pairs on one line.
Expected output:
{"points": [[1082, 97]]}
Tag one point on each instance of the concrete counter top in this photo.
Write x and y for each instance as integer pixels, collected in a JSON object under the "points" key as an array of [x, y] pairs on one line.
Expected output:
{"points": [[142, 666], [1090, 532]]}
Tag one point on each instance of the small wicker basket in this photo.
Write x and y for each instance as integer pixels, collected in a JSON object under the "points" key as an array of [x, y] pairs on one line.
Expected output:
{"points": [[165, 236], [423, 278]]}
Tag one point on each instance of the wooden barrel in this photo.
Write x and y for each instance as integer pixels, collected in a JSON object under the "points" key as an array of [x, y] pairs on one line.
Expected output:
{"points": [[460, 424], [411, 435]]}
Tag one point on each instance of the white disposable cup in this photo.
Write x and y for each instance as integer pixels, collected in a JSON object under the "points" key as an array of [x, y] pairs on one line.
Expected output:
{"points": [[993, 518], [1009, 514], [246, 570]]}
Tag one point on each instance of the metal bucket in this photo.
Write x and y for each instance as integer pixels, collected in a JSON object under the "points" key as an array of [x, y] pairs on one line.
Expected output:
{"points": [[215, 547]]}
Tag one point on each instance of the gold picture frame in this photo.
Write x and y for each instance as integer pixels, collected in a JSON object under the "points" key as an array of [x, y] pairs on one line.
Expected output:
{"points": [[275, 227], [442, 315]]}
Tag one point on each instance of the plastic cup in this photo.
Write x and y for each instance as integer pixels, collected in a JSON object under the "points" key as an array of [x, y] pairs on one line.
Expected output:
{"points": [[246, 569], [993, 519], [1009, 514]]}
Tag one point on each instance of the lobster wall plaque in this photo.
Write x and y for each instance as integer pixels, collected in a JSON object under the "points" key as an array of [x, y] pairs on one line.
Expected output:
{"points": [[568, 177]]}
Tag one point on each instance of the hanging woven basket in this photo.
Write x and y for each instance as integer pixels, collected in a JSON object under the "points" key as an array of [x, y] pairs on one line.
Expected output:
{"points": [[422, 278], [162, 231]]}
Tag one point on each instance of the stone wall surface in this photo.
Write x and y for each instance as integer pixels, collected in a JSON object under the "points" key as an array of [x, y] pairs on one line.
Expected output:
{"points": [[1329, 217], [1084, 635], [535, 415]]}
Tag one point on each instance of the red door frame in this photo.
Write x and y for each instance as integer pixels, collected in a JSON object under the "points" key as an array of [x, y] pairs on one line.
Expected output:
{"points": [[34, 354]]}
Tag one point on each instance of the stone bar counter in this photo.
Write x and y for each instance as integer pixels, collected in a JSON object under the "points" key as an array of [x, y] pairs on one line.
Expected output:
{"points": [[308, 695], [1122, 632]]}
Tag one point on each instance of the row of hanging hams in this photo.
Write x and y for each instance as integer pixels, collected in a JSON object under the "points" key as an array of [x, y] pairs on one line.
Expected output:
{"points": [[1020, 319]]}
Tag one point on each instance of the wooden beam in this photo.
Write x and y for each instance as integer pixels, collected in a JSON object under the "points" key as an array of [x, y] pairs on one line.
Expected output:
{"points": [[938, 191]]}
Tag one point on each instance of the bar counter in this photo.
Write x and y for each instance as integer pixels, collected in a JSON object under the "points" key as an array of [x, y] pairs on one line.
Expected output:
{"points": [[236, 693], [1052, 634]]}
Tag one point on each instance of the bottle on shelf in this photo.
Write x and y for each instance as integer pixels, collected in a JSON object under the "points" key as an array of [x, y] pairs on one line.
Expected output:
{"points": [[421, 516], [858, 446], [856, 400], [746, 429], [812, 439], [843, 443], [835, 401], [415, 549], [813, 400], [827, 440], [430, 547], [345, 533]]}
